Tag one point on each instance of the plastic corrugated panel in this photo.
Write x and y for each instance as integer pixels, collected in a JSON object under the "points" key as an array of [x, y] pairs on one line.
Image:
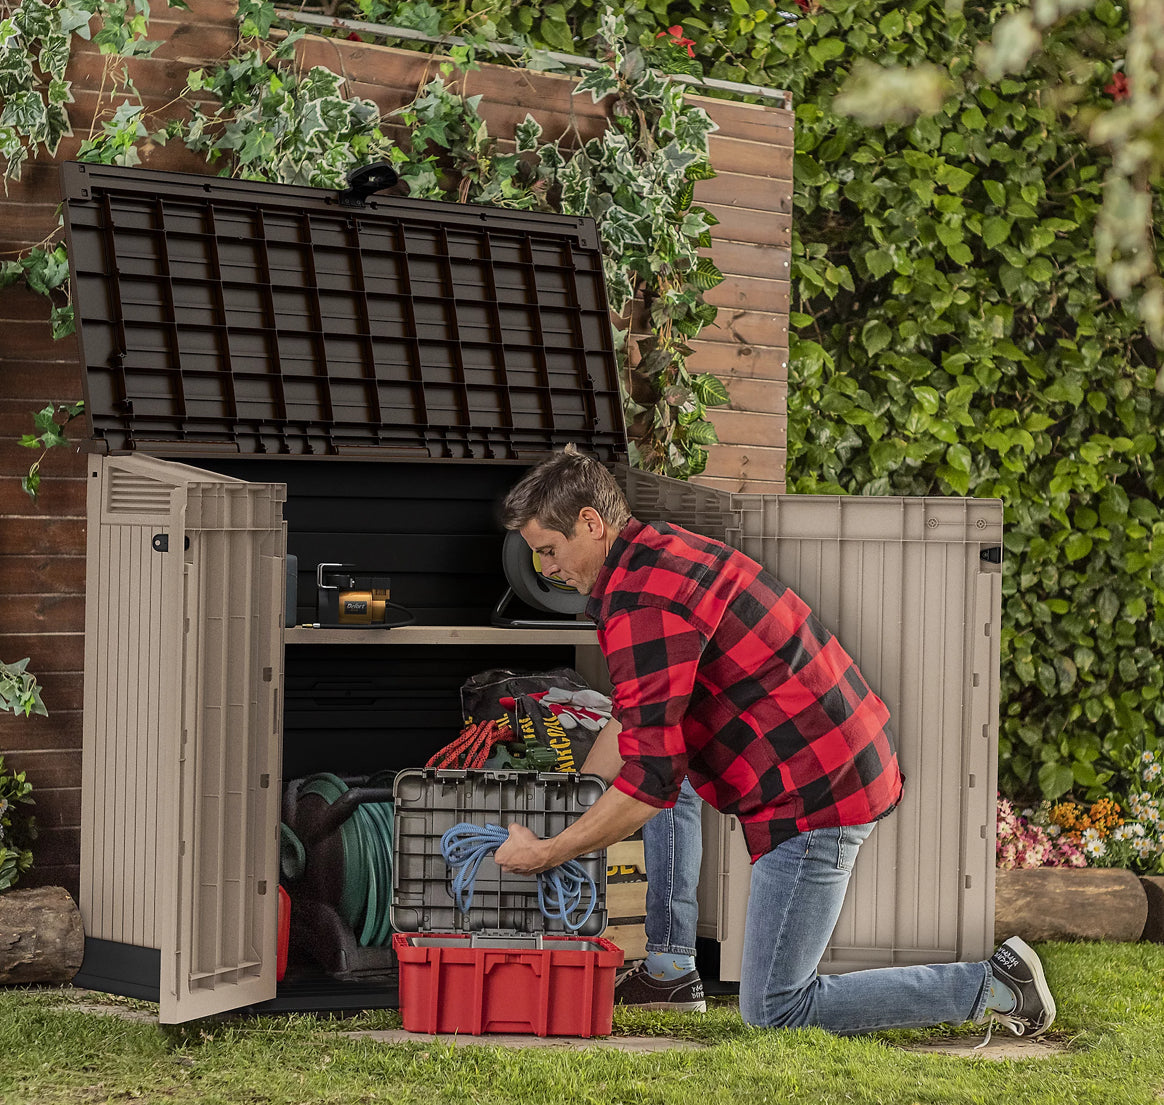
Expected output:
{"points": [[180, 773], [912, 588], [430, 802], [242, 317], [655, 498]]}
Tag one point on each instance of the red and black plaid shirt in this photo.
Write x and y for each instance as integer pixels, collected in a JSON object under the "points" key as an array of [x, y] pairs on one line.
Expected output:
{"points": [[723, 674]]}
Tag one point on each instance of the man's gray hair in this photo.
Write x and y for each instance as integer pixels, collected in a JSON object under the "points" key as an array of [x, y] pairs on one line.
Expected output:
{"points": [[556, 491]]}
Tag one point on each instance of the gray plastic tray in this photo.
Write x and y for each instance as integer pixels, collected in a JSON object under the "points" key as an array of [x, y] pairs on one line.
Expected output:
{"points": [[430, 802]]}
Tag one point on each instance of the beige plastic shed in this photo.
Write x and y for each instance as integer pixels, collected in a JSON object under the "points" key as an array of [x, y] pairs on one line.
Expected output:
{"points": [[272, 369]]}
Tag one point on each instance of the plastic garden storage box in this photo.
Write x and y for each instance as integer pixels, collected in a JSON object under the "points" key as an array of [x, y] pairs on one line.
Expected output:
{"points": [[504, 966]]}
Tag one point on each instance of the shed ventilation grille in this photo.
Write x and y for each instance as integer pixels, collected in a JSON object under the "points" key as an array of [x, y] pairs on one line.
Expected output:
{"points": [[133, 494]]}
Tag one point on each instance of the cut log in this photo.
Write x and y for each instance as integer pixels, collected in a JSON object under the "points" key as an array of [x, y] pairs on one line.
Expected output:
{"points": [[41, 936], [1154, 890], [1069, 903]]}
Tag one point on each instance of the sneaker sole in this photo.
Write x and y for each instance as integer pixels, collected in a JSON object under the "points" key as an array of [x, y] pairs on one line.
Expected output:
{"points": [[1044, 991], [670, 1006]]}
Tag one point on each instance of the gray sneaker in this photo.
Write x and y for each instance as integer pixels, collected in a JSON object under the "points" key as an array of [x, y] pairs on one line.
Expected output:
{"points": [[677, 995], [1016, 965]]}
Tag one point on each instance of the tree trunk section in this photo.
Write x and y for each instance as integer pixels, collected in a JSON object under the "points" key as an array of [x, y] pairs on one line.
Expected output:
{"points": [[41, 936], [1069, 903]]}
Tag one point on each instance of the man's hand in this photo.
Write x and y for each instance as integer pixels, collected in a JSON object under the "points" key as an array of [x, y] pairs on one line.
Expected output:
{"points": [[613, 817], [523, 853]]}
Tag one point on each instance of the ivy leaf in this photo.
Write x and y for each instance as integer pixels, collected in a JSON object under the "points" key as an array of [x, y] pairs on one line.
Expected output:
{"points": [[826, 50], [600, 83], [527, 133]]}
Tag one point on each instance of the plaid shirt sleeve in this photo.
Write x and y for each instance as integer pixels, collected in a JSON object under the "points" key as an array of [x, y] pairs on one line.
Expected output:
{"points": [[653, 655]]}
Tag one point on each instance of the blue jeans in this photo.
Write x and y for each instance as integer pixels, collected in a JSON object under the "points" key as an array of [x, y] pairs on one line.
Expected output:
{"points": [[796, 897], [672, 849]]}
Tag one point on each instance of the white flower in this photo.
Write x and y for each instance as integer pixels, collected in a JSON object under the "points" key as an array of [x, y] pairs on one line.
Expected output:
{"points": [[1128, 830], [1094, 847], [1091, 836], [1147, 758], [1053, 830], [1151, 772], [1142, 848]]}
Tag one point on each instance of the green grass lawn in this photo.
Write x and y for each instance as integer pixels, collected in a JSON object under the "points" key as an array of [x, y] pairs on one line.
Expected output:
{"points": [[1111, 1020]]}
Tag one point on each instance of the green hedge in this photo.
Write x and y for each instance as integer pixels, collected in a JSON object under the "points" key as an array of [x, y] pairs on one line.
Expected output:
{"points": [[950, 337]]}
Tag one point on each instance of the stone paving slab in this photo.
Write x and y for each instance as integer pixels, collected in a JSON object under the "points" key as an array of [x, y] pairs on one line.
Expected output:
{"points": [[641, 1044], [964, 1047], [1000, 1047]]}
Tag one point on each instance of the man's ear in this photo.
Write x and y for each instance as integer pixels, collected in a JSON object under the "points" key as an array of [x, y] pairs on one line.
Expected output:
{"points": [[593, 521]]}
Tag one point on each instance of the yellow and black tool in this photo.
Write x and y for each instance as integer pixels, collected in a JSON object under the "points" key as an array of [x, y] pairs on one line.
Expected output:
{"points": [[348, 597]]}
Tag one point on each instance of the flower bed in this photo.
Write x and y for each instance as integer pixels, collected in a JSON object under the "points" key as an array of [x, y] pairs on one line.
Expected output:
{"points": [[1070, 870], [1070, 834]]}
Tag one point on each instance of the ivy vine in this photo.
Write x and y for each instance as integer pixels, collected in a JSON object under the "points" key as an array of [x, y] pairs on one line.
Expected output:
{"points": [[637, 181]]}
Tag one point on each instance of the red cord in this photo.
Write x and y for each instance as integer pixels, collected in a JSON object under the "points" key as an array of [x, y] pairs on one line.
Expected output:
{"points": [[473, 745]]}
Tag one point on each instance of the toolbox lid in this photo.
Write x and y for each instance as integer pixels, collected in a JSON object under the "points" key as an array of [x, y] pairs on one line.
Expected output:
{"points": [[225, 316], [429, 802]]}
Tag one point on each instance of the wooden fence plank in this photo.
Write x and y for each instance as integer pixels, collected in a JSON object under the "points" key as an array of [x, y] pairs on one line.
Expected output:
{"points": [[731, 156], [741, 224], [767, 396], [736, 360], [748, 462], [775, 123], [749, 259], [42, 536], [40, 735], [28, 575], [42, 613], [744, 427]]}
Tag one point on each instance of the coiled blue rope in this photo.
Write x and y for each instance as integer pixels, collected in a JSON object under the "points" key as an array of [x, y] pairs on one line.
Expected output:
{"points": [[560, 889]]}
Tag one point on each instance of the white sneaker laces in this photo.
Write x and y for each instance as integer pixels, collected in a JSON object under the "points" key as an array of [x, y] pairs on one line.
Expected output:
{"points": [[1017, 1026]]}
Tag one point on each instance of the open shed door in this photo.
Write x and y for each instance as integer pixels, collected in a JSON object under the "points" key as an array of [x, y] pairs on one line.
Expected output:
{"points": [[181, 781]]}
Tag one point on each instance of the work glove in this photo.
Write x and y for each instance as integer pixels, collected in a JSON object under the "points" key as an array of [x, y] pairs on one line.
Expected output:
{"points": [[587, 708]]}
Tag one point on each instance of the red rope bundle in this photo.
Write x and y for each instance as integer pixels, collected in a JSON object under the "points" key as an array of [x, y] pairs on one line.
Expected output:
{"points": [[472, 748]]}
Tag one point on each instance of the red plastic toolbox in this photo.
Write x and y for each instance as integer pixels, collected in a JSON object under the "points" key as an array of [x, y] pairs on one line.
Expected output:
{"points": [[502, 967], [563, 988]]}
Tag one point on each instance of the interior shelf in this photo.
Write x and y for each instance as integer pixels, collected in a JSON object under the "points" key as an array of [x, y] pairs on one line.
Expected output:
{"points": [[440, 635]]}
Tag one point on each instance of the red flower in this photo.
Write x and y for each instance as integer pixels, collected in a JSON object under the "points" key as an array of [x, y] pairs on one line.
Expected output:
{"points": [[677, 38], [1119, 89]]}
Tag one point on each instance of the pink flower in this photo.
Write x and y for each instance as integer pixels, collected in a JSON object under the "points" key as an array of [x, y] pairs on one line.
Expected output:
{"points": [[1119, 89]]}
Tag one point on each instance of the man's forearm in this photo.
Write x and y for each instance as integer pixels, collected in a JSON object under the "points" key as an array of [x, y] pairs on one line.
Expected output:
{"points": [[612, 818], [604, 758]]}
